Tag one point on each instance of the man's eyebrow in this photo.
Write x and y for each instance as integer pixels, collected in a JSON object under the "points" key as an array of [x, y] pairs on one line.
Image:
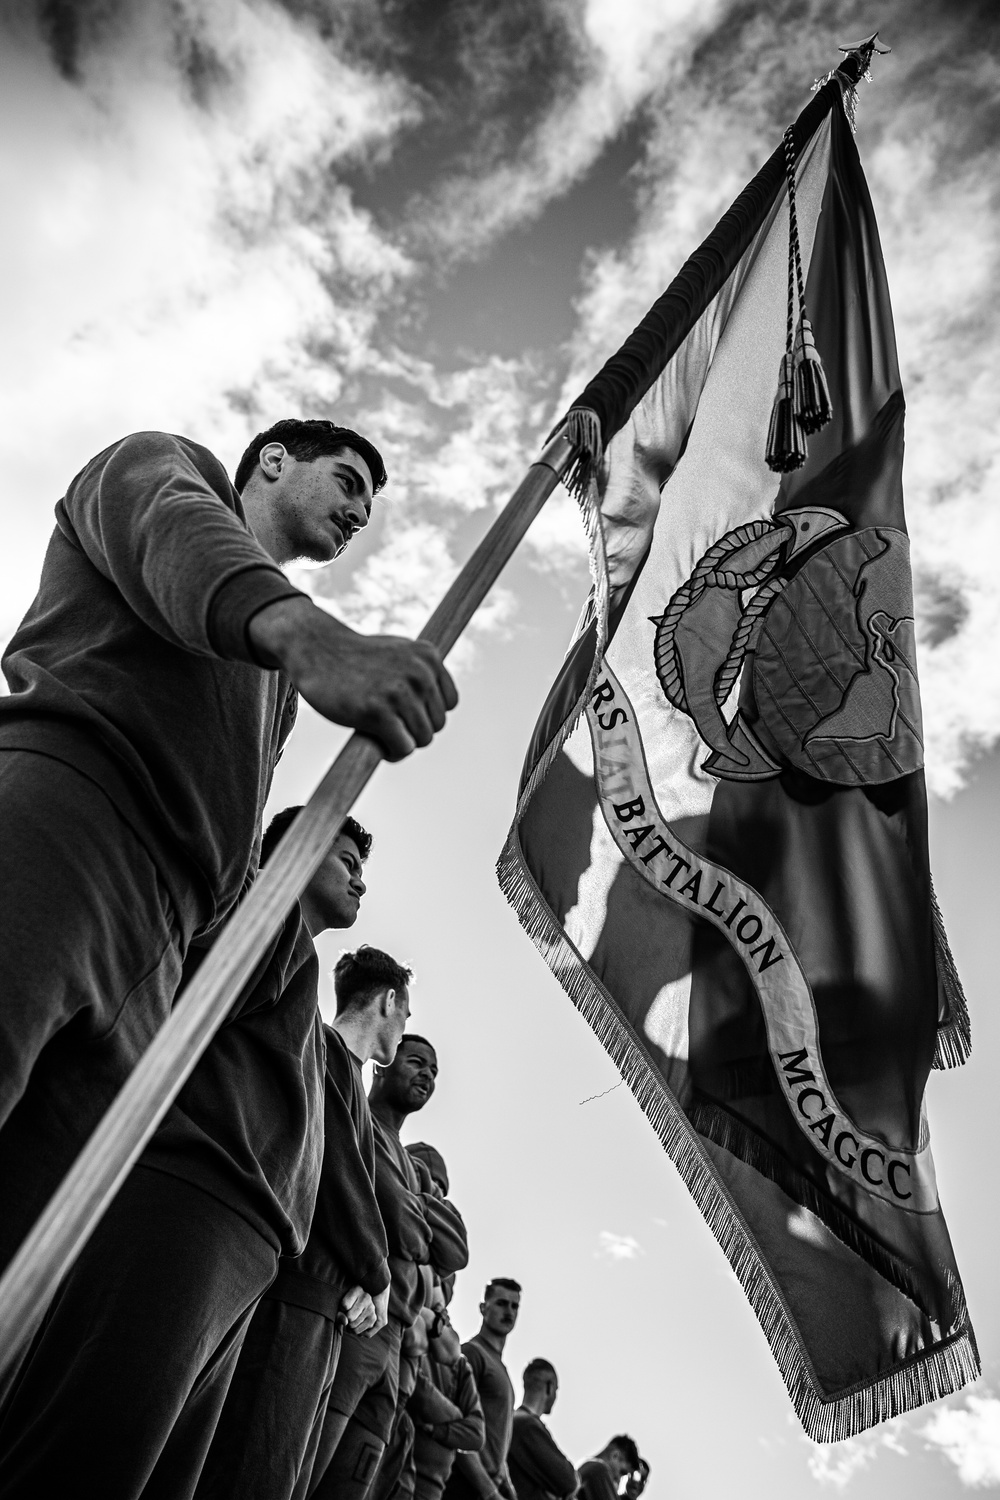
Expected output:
{"points": [[356, 477]]}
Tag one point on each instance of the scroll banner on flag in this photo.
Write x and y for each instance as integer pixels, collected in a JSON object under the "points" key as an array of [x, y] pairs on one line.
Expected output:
{"points": [[720, 845]]}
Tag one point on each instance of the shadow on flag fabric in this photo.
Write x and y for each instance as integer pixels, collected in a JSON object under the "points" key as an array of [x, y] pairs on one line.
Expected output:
{"points": [[720, 845]]}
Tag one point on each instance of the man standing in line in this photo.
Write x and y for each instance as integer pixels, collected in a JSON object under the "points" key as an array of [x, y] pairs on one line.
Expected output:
{"points": [[424, 1230], [265, 1443], [538, 1467], [152, 684], [445, 1406], [484, 1475], [601, 1476], [122, 1387]]}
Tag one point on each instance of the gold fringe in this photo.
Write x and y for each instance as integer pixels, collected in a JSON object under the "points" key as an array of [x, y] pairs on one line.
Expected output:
{"points": [[580, 427], [954, 1038], [583, 428], [912, 1383]]}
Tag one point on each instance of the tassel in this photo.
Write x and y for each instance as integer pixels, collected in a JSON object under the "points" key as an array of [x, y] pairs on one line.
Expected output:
{"points": [[786, 441], [583, 429], [812, 393]]}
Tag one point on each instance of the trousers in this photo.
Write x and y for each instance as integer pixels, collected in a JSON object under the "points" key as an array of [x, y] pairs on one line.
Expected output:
{"points": [[266, 1439], [91, 948], [121, 1388]]}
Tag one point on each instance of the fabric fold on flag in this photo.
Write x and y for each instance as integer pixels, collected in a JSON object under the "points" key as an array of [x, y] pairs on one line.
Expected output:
{"points": [[720, 845]]}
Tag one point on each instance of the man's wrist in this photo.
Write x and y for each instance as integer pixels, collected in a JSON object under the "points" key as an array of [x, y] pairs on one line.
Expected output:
{"points": [[272, 629]]}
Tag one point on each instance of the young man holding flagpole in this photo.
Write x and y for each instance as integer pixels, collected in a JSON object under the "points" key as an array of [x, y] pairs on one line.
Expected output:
{"points": [[152, 685]]}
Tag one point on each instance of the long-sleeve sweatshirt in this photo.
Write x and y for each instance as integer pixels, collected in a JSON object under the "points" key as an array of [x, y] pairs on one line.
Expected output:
{"points": [[134, 666], [347, 1242], [497, 1397], [247, 1126], [457, 1427], [538, 1467], [423, 1228]]}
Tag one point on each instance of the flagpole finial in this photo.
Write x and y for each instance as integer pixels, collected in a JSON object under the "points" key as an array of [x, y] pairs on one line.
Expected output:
{"points": [[855, 66]]}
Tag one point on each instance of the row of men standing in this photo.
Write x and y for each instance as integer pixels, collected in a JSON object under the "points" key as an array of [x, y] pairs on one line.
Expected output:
{"points": [[152, 686], [250, 1318]]}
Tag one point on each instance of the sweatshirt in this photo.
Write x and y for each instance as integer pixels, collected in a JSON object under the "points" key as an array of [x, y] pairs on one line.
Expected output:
{"points": [[496, 1395], [133, 663], [247, 1126], [538, 1467], [457, 1426], [347, 1241], [423, 1228]]}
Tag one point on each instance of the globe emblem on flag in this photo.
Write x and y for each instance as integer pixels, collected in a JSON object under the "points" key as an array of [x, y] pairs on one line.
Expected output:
{"points": [[834, 673], [809, 624]]}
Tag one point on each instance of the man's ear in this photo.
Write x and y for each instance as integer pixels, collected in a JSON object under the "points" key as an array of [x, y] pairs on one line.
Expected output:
{"points": [[272, 458], [387, 1002]]}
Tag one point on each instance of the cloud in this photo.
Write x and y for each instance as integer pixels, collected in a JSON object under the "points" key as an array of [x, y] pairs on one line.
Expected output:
{"points": [[394, 590], [184, 256], [963, 1429], [837, 1464], [623, 51], [969, 1437], [617, 1246]]}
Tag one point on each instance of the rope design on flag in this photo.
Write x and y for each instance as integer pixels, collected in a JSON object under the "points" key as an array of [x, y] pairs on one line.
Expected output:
{"points": [[709, 574]]}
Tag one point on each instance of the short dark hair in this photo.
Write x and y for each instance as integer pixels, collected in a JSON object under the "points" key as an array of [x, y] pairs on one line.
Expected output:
{"points": [[537, 1370], [626, 1447], [360, 975], [505, 1282], [306, 440], [283, 820], [411, 1036]]}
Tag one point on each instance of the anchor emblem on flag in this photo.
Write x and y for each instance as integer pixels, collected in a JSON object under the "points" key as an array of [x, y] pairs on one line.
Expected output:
{"points": [[814, 622]]}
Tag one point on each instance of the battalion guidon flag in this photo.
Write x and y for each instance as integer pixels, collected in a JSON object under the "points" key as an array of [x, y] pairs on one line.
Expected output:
{"points": [[720, 844]]}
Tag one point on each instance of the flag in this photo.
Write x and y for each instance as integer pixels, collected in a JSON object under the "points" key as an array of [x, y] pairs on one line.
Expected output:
{"points": [[720, 844]]}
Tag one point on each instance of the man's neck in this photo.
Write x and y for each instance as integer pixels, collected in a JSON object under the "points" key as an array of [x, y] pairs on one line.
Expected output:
{"points": [[388, 1114], [263, 522], [494, 1341], [534, 1404], [357, 1033]]}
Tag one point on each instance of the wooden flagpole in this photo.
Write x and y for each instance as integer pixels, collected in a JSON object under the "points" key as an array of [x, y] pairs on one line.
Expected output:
{"points": [[76, 1208]]}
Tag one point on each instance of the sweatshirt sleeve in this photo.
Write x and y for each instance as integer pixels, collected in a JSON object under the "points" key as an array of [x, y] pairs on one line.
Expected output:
{"points": [[406, 1224], [348, 1190], [157, 516], [550, 1465], [428, 1404], [468, 1433], [449, 1249]]}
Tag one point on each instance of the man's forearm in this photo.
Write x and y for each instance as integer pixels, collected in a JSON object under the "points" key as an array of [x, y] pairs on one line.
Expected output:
{"points": [[395, 690], [472, 1468]]}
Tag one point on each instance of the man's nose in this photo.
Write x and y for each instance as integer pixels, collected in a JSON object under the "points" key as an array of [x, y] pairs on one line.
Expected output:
{"points": [[359, 885], [357, 514]]}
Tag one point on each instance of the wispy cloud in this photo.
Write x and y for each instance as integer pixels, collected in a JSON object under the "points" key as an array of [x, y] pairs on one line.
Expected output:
{"points": [[835, 1465], [617, 1246], [184, 256], [622, 51], [968, 1434], [964, 1429]]}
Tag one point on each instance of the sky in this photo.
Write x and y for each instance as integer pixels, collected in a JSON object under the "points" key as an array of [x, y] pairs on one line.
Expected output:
{"points": [[432, 222]]}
